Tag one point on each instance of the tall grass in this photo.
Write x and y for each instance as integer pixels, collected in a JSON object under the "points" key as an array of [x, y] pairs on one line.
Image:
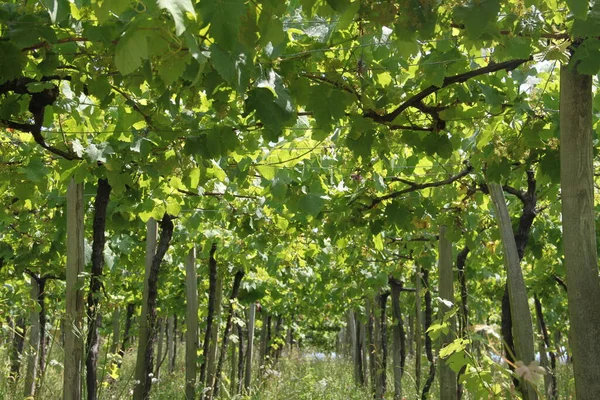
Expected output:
{"points": [[297, 376]]}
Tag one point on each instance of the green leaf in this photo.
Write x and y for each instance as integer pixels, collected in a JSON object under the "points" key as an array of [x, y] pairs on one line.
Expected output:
{"points": [[173, 206], [579, 8], [131, 50], [12, 61], [233, 66], [361, 136], [587, 57], [338, 5], [311, 204], [173, 67], [270, 111], [38, 87], [59, 10], [36, 170], [177, 8], [224, 17], [109, 7], [328, 104], [378, 242], [398, 214], [478, 16]]}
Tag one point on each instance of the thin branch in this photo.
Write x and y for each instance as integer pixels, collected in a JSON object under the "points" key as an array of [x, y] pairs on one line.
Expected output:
{"points": [[134, 105], [410, 128], [560, 282], [215, 194], [338, 85], [551, 35], [415, 101], [420, 186], [290, 159], [416, 239]]}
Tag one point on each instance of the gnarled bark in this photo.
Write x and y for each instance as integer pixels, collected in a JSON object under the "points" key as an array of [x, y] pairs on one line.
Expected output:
{"points": [[145, 356]]}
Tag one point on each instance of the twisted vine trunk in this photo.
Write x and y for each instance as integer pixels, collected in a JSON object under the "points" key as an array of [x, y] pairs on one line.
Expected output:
{"points": [[550, 376], [428, 343], [154, 258], [418, 328], [399, 338], [126, 331], [94, 316], [237, 280], [17, 349], [212, 294]]}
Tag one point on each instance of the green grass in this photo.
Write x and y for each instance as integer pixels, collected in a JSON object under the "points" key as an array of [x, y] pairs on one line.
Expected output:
{"points": [[294, 377]]}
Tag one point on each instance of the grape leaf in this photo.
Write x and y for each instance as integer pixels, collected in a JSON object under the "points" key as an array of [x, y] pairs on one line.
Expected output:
{"points": [[131, 50], [59, 10], [177, 8], [579, 8], [269, 111], [477, 16], [12, 61], [224, 17]]}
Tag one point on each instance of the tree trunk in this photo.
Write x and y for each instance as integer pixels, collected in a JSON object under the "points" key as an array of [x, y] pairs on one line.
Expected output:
{"points": [[17, 348], [74, 295], [33, 344], [212, 294], [250, 350], [147, 336], [211, 363], [234, 363], [278, 326], [43, 319], [171, 333], [173, 356], [94, 315], [418, 329], [428, 343], [381, 348], [126, 331], [399, 338], [191, 341], [447, 377], [264, 337], [463, 313], [237, 280], [410, 339], [519, 306], [370, 326], [116, 331], [461, 260], [550, 376], [161, 328], [240, 368], [579, 230]]}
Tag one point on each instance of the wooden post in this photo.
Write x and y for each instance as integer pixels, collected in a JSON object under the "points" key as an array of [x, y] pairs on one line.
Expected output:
{"points": [[250, 349], [191, 342], [144, 329], [74, 295], [519, 306], [34, 343], [448, 384], [579, 230]]}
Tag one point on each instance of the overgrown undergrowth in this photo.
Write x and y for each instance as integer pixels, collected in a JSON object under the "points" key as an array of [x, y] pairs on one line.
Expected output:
{"points": [[297, 376]]}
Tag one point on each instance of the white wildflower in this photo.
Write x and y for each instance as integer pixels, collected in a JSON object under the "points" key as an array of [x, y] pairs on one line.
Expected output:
{"points": [[530, 373]]}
